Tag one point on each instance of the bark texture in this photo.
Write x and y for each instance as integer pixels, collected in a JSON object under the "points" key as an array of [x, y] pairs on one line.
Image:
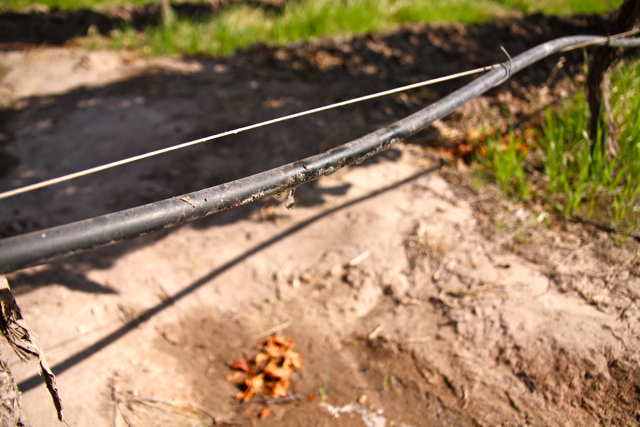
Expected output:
{"points": [[598, 83], [11, 414]]}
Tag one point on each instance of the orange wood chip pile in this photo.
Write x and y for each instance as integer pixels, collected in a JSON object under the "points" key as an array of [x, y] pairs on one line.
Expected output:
{"points": [[269, 371]]}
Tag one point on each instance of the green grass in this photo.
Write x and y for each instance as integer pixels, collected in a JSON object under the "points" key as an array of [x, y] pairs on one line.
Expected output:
{"points": [[562, 7], [242, 25], [322, 388], [555, 7], [574, 181], [505, 157], [70, 4]]}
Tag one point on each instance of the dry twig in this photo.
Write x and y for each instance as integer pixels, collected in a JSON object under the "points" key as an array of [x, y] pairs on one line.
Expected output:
{"points": [[24, 342]]}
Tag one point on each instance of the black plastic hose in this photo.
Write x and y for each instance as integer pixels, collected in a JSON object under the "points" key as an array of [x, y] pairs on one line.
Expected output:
{"points": [[60, 242]]}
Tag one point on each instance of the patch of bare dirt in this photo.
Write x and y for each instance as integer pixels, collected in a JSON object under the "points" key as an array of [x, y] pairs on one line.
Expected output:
{"points": [[413, 299]]}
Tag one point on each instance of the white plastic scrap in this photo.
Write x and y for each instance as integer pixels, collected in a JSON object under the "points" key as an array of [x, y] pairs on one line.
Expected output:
{"points": [[369, 417]]}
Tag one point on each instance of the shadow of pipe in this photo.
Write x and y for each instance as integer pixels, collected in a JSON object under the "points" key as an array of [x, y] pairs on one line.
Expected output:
{"points": [[36, 380]]}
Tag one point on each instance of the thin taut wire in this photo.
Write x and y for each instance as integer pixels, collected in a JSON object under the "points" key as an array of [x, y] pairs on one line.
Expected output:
{"points": [[69, 177], [74, 175]]}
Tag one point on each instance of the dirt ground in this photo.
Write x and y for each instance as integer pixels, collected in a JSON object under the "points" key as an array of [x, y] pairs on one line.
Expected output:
{"points": [[414, 299]]}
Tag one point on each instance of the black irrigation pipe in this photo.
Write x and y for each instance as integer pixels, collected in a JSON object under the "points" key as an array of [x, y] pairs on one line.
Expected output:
{"points": [[63, 241]]}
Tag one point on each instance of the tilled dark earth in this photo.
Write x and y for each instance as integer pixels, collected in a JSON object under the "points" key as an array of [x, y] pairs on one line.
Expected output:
{"points": [[414, 299]]}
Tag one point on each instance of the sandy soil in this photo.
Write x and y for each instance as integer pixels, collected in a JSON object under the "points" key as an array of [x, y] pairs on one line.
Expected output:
{"points": [[414, 300]]}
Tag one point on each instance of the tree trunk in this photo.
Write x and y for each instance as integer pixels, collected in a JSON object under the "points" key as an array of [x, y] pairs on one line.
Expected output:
{"points": [[165, 7], [628, 17], [11, 414]]}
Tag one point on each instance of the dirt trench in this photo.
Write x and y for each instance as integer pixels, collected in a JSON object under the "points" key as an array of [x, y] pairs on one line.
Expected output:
{"points": [[413, 298]]}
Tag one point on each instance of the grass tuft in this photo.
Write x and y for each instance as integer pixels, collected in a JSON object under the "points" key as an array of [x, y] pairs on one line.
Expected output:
{"points": [[576, 179], [505, 157]]}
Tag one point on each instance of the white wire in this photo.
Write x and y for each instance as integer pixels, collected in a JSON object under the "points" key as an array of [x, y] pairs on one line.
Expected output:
{"points": [[74, 175]]}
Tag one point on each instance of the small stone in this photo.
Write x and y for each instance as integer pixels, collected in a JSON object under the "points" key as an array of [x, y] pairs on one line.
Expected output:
{"points": [[336, 271], [305, 277]]}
